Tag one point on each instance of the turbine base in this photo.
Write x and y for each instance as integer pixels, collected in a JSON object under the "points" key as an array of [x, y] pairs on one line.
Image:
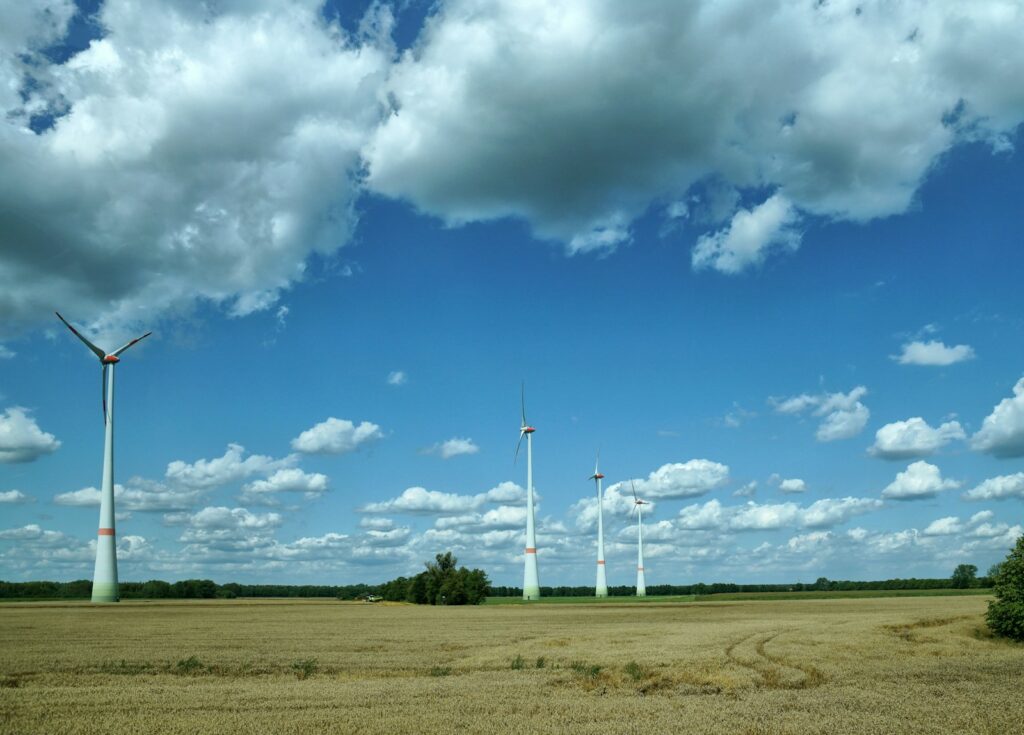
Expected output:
{"points": [[104, 592]]}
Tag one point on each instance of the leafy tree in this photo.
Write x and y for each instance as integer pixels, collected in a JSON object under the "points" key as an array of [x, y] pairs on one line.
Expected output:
{"points": [[964, 576], [993, 571], [417, 591], [823, 584], [1006, 613]]}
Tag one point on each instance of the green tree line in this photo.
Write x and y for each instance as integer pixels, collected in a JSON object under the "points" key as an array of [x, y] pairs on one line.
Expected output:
{"points": [[442, 583], [715, 588]]}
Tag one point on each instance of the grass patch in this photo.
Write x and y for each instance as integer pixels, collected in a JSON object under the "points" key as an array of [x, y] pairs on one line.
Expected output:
{"points": [[441, 671], [541, 662], [517, 663]]}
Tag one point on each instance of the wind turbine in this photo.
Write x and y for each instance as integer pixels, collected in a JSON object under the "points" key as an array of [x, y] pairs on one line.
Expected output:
{"points": [[104, 578], [531, 582], [601, 590], [638, 507]]}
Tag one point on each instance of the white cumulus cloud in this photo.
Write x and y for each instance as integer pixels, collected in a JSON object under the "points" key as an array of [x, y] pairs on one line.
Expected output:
{"points": [[1002, 431], [576, 116], [21, 439], [420, 501], [750, 236], [15, 497], [913, 438], [453, 447], [920, 480], [998, 488], [793, 485], [683, 479], [933, 352], [231, 467], [146, 194], [288, 480], [843, 415], [336, 436], [752, 516], [947, 526], [138, 494]]}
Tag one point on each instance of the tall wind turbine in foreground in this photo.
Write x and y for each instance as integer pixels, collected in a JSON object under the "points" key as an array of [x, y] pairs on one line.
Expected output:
{"points": [[602, 583], [104, 578], [638, 506], [531, 582]]}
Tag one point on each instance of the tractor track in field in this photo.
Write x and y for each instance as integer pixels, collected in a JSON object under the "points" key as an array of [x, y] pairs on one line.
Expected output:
{"points": [[773, 671]]}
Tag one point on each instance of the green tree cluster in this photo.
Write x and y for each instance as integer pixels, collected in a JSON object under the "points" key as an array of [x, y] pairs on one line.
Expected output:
{"points": [[1006, 613], [965, 576], [441, 583]]}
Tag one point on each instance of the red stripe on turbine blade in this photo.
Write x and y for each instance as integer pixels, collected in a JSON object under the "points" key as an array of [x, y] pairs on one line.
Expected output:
{"points": [[601, 562], [531, 550], [639, 569], [106, 532]]}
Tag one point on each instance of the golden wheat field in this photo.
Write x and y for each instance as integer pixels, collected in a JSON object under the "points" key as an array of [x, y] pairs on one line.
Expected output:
{"points": [[921, 665]]}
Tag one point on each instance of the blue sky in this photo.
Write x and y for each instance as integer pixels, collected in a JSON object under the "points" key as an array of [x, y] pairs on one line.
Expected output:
{"points": [[356, 230]]}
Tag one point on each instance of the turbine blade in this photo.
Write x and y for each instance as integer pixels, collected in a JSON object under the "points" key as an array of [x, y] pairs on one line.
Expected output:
{"points": [[99, 353], [596, 463], [634, 490], [522, 399], [118, 351], [518, 444], [104, 378]]}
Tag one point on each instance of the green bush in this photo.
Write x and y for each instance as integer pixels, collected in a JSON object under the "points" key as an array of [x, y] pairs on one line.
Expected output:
{"points": [[635, 671], [587, 671], [305, 668], [1006, 613], [190, 665], [518, 662]]}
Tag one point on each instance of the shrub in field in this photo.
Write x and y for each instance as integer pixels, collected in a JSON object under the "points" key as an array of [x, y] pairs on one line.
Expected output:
{"points": [[190, 665], [1006, 613], [305, 668], [518, 662], [541, 662], [634, 671], [587, 671], [441, 671]]}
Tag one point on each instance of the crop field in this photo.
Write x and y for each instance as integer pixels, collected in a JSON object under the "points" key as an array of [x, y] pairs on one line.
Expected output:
{"points": [[867, 665]]}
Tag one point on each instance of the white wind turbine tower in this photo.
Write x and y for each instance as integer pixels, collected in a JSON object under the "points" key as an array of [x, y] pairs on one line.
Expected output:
{"points": [[104, 578], [601, 590], [531, 582], [638, 504]]}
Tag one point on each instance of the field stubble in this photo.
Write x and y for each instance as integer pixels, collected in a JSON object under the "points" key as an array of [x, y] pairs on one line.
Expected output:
{"points": [[922, 665]]}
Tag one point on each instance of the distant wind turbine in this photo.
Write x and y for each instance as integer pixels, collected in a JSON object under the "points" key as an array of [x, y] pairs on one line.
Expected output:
{"points": [[531, 582], [638, 507], [104, 578], [601, 590]]}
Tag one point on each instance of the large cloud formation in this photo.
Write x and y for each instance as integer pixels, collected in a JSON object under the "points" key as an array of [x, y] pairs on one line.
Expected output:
{"points": [[1002, 432], [194, 153], [578, 115], [21, 439], [211, 150]]}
